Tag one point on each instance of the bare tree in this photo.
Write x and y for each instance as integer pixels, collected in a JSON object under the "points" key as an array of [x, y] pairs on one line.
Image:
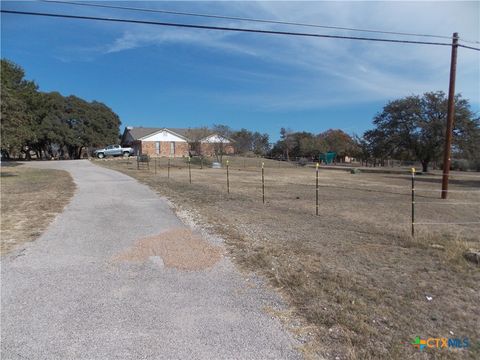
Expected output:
{"points": [[287, 141], [224, 132]]}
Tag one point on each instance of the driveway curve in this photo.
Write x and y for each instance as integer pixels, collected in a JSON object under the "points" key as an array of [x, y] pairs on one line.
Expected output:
{"points": [[63, 297]]}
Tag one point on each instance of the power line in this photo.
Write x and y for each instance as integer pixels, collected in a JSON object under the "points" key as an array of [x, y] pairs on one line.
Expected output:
{"points": [[469, 47], [222, 28], [249, 19]]}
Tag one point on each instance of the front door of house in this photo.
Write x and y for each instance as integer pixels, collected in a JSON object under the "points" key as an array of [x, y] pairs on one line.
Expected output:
{"points": [[157, 148], [172, 148]]}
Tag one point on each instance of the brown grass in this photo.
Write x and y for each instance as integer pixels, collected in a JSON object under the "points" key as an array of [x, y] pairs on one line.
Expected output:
{"points": [[353, 274], [30, 199]]}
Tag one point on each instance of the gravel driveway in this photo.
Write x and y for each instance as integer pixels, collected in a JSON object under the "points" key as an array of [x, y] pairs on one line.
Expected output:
{"points": [[64, 296]]}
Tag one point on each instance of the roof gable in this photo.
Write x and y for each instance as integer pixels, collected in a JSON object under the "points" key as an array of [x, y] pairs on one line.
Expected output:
{"points": [[216, 139], [164, 135]]}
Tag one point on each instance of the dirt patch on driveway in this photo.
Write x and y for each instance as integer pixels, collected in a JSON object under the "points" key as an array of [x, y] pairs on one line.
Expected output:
{"points": [[178, 248]]}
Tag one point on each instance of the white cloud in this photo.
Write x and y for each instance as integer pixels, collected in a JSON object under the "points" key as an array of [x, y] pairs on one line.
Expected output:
{"points": [[326, 72], [132, 39]]}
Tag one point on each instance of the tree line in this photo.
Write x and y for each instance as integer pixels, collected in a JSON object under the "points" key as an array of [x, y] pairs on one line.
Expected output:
{"points": [[245, 142], [49, 124], [294, 145], [408, 129], [291, 146]]}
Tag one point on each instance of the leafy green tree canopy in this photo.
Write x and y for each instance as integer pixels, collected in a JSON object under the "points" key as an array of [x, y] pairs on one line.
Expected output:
{"points": [[49, 123], [413, 128], [17, 102]]}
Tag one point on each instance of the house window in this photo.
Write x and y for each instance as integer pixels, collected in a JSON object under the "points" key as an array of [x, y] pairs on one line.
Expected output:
{"points": [[157, 148], [172, 148]]}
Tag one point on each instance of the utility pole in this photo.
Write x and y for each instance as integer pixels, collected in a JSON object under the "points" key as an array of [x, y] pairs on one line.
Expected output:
{"points": [[450, 117]]}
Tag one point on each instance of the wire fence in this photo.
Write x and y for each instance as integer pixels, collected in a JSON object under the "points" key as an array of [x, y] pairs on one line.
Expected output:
{"points": [[414, 192], [263, 166]]}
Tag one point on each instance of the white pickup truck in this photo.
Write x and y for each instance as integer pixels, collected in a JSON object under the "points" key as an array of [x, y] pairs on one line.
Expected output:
{"points": [[113, 150]]}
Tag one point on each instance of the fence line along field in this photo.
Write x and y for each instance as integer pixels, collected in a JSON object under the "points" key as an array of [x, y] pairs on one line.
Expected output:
{"points": [[353, 273], [291, 187]]}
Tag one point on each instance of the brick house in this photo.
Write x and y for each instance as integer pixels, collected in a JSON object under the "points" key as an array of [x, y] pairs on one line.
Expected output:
{"points": [[156, 142], [171, 142], [214, 143]]}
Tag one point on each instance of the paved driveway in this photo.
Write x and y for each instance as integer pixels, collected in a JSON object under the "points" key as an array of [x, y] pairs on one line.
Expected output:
{"points": [[62, 296]]}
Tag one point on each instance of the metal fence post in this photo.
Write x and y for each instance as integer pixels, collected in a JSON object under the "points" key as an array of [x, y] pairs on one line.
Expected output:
{"points": [[413, 202], [189, 170], [168, 168], [155, 166], [228, 180], [138, 165], [263, 182], [316, 190]]}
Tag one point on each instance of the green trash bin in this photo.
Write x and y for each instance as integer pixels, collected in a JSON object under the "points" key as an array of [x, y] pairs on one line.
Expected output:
{"points": [[327, 157]]}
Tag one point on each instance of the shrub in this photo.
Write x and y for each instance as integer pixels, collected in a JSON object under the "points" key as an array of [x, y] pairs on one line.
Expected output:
{"points": [[475, 164], [197, 160], [466, 165], [459, 164], [302, 161]]}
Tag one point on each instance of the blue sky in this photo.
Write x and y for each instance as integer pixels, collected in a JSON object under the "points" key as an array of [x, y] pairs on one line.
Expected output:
{"points": [[155, 76]]}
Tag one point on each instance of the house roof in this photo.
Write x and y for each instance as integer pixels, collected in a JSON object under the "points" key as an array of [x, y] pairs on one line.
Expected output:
{"points": [[140, 132], [190, 134]]}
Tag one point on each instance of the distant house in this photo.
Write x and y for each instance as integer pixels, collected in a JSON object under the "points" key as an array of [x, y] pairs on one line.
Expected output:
{"points": [[214, 143], [156, 141], [171, 142]]}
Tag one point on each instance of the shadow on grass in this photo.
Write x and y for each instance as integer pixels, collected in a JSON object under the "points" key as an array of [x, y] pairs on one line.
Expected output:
{"points": [[438, 180], [5, 174], [10, 164], [459, 182]]}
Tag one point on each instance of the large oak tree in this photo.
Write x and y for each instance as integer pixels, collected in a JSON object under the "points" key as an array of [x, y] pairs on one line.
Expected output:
{"points": [[49, 123], [17, 104], [414, 127]]}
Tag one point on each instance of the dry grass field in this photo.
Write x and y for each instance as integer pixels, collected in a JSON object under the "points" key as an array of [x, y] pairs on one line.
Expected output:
{"points": [[352, 276], [30, 199]]}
